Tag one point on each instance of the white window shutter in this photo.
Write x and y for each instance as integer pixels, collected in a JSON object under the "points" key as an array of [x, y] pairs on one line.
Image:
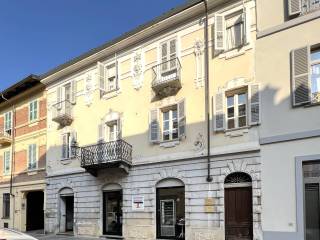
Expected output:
{"points": [[116, 75], [254, 104], [182, 118], [219, 32], [219, 113], [101, 132], [300, 60], [73, 140], [65, 146], [59, 97], [119, 128], [154, 127], [73, 92], [247, 25], [101, 77], [294, 7]]}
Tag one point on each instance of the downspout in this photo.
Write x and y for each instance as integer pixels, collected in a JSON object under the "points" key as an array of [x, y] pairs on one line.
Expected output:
{"points": [[207, 92], [12, 155]]}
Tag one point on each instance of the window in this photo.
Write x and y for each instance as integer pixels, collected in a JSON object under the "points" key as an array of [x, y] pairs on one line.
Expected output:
{"points": [[170, 124], [113, 131], [315, 76], [168, 55], [111, 77], [234, 31], [6, 205], [298, 7], [68, 139], [33, 110], [32, 156], [237, 110], [8, 122], [6, 162]]}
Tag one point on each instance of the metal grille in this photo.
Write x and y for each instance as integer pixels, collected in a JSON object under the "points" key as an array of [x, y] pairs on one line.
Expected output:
{"points": [[238, 177], [166, 71], [103, 153]]}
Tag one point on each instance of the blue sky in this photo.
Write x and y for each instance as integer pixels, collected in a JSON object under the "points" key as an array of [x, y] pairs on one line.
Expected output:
{"points": [[37, 35]]}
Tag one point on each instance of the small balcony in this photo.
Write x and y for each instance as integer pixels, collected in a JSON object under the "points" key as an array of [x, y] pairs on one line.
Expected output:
{"points": [[167, 78], [62, 113], [5, 136], [115, 154]]}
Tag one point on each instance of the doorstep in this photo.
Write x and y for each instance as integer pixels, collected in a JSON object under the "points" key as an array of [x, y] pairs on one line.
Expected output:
{"points": [[111, 237]]}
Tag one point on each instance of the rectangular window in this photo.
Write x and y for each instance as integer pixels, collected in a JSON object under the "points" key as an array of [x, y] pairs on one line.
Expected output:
{"points": [[111, 72], [237, 109], [170, 123], [113, 131], [315, 75], [169, 55], [234, 31], [6, 205], [33, 110], [8, 122], [66, 138], [6, 162], [32, 156]]}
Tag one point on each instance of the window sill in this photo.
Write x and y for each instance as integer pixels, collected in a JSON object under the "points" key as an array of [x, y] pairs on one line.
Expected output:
{"points": [[33, 122], [5, 218], [308, 105], [237, 132], [235, 52], [169, 144], [111, 94], [31, 172]]}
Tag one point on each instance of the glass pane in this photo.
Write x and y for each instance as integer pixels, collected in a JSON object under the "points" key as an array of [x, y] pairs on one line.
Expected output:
{"points": [[312, 211], [230, 101], [242, 121], [242, 98], [230, 123], [166, 135], [242, 110], [315, 82], [166, 125], [165, 116], [174, 114], [315, 55], [231, 112]]}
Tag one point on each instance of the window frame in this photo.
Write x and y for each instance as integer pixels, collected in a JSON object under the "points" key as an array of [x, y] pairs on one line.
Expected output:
{"points": [[169, 55], [313, 63], [112, 124], [6, 199], [6, 122], [171, 120], [243, 29], [107, 78], [67, 147], [5, 153], [34, 155], [33, 112], [235, 94]]}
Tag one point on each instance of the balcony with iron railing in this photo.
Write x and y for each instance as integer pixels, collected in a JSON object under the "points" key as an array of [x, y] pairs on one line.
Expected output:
{"points": [[62, 113], [167, 78], [5, 136], [114, 154], [310, 5]]}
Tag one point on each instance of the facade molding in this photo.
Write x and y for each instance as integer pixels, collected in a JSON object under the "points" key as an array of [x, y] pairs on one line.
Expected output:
{"points": [[290, 137]]}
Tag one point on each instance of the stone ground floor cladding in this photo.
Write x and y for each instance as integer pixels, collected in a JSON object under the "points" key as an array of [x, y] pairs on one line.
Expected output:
{"points": [[204, 219]]}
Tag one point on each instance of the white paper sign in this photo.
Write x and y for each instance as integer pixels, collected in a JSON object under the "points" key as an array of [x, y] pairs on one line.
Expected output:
{"points": [[138, 203]]}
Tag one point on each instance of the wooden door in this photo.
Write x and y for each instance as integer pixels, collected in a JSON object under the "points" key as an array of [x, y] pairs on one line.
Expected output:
{"points": [[238, 213]]}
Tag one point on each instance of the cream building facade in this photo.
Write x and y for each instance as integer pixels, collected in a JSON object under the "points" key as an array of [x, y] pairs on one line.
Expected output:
{"points": [[23, 155], [287, 65], [127, 140]]}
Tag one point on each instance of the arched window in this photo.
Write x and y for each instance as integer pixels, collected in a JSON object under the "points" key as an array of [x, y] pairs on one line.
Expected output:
{"points": [[238, 177]]}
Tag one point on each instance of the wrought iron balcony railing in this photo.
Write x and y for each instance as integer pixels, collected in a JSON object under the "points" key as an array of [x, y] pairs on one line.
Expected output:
{"points": [[5, 136], [167, 77], [62, 113], [310, 5], [104, 155]]}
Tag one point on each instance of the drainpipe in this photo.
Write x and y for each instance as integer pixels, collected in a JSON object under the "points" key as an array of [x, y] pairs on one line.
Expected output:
{"points": [[207, 95], [12, 155]]}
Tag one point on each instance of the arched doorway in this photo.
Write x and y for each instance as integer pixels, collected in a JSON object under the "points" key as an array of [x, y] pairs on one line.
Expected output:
{"points": [[66, 210], [238, 206], [170, 209]]}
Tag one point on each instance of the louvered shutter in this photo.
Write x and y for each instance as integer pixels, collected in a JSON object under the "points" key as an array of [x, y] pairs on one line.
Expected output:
{"points": [[219, 114], [301, 75], [101, 132], [102, 80], [116, 75], [182, 118], [247, 25], [59, 98], [73, 141], [65, 146], [164, 57], [173, 54], [119, 129], [30, 159], [154, 127], [294, 7], [73, 92], [254, 104], [219, 32]]}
